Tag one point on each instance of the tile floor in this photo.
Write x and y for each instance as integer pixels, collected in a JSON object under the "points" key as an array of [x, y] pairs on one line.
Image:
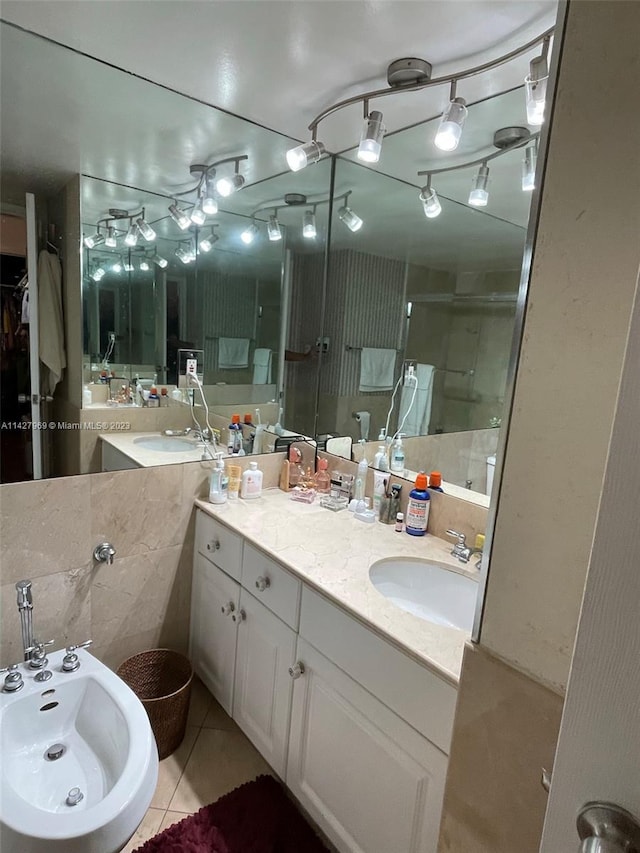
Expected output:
{"points": [[213, 759]]}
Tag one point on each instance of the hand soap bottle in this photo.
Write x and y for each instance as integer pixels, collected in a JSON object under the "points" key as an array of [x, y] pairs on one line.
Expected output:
{"points": [[380, 459], [219, 484], [397, 457], [251, 482], [417, 516]]}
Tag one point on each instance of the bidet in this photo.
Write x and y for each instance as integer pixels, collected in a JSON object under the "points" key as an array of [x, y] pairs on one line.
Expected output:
{"points": [[80, 763]]}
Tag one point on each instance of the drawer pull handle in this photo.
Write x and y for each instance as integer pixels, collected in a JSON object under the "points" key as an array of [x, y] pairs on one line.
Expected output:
{"points": [[228, 608], [296, 670], [214, 545], [263, 583], [240, 616]]}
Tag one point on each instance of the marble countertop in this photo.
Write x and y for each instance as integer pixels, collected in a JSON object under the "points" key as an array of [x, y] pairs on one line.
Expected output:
{"points": [[125, 442], [332, 552]]}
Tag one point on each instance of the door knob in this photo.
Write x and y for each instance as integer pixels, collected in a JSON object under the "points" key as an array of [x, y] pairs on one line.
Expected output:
{"points": [[607, 828], [263, 583], [296, 670]]}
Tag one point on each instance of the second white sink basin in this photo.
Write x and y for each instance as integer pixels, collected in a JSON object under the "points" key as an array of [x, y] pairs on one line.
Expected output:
{"points": [[427, 590], [165, 444]]}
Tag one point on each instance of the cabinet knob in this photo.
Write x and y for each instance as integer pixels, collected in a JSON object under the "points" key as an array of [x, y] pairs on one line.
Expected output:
{"points": [[214, 545], [228, 608], [263, 583], [296, 670], [240, 616]]}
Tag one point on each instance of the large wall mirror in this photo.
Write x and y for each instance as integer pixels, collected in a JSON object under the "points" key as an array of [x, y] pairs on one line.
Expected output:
{"points": [[278, 325]]}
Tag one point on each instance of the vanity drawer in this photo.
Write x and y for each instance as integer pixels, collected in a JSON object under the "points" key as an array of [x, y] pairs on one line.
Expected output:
{"points": [[218, 544], [415, 693], [274, 586]]}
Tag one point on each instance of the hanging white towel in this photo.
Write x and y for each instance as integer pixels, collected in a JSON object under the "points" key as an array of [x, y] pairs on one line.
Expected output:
{"points": [[233, 353], [261, 366], [377, 369], [417, 422], [51, 335]]}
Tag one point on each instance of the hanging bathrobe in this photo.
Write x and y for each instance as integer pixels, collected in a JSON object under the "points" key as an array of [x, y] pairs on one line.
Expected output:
{"points": [[51, 337]]}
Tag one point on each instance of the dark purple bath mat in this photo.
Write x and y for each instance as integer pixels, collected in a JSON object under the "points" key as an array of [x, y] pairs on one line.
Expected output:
{"points": [[257, 817]]}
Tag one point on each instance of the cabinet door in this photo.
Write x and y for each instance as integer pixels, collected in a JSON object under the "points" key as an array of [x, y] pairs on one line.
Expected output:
{"points": [[262, 695], [370, 781], [214, 602]]}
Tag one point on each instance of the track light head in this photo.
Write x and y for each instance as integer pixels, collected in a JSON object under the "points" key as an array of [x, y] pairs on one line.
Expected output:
{"points": [[179, 217], [451, 124], [309, 228], [535, 85], [131, 238], [303, 155], [249, 234], [430, 202], [110, 240], [350, 219], [529, 167], [144, 265], [145, 229], [479, 197], [209, 201], [227, 186], [273, 229], [159, 261], [206, 243], [94, 240], [373, 131], [197, 215]]}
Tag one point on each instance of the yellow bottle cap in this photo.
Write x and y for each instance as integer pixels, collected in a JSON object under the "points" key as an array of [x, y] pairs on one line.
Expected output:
{"points": [[480, 541]]}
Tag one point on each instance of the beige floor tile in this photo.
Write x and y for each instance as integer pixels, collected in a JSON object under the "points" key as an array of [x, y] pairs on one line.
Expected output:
{"points": [[201, 699], [149, 827], [171, 768], [220, 761], [217, 718], [170, 818]]}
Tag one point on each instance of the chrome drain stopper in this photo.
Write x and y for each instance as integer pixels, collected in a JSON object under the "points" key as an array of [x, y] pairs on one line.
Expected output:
{"points": [[74, 796], [56, 751]]}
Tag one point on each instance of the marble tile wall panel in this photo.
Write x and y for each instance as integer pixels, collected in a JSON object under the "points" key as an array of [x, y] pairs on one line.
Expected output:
{"points": [[505, 731]]}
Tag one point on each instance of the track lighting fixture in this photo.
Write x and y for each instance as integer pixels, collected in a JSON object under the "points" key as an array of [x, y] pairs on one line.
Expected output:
{"points": [[227, 186], [430, 201], [452, 122], [371, 138], [535, 85], [412, 74], [206, 243], [144, 265], [117, 267], [478, 197], [98, 272], [183, 254], [303, 155], [94, 240], [249, 234], [529, 167], [110, 240], [127, 266], [159, 261], [346, 215], [145, 229], [309, 229], [273, 228], [179, 216], [131, 238]]}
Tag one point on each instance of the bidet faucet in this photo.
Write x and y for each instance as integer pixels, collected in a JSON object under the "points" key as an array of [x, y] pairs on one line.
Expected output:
{"points": [[25, 609]]}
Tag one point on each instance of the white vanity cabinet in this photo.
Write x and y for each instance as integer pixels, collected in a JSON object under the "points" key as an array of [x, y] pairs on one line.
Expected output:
{"points": [[358, 729]]}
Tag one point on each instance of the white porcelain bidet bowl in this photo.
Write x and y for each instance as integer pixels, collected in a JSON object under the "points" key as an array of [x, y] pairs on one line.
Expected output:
{"points": [[432, 592], [81, 730]]}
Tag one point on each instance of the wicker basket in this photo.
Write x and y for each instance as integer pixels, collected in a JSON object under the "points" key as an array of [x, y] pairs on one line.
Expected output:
{"points": [[161, 679]]}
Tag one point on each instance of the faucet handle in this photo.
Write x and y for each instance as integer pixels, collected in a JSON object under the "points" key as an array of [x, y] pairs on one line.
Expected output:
{"points": [[84, 645], [13, 680], [13, 667], [38, 647], [462, 539]]}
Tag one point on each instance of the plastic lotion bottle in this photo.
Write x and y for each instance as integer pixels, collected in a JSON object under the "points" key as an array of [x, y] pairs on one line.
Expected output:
{"points": [[251, 482], [380, 459], [418, 507], [397, 456], [219, 484]]}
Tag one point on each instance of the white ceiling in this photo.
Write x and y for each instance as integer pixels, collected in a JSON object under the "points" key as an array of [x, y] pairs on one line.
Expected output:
{"points": [[64, 114], [280, 62]]}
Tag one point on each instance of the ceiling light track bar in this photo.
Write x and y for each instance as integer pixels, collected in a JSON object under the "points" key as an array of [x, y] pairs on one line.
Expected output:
{"points": [[209, 171], [307, 203], [451, 79], [480, 160]]}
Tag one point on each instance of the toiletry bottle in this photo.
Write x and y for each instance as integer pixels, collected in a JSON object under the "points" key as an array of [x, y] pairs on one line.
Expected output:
{"points": [[164, 400], [295, 471], [87, 396], [399, 522], [284, 475], [176, 394], [418, 507], [322, 479], [234, 442], [435, 481], [248, 433], [154, 400], [218, 484], [380, 459], [251, 482], [380, 480], [233, 489], [361, 479], [397, 456]]}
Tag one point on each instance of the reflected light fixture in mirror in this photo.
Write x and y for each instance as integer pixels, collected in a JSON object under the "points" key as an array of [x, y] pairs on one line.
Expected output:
{"points": [[249, 234], [346, 215], [179, 216], [479, 195], [536, 87]]}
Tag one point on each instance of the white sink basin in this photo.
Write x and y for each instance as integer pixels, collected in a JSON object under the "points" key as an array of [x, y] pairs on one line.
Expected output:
{"points": [[165, 444], [427, 590]]}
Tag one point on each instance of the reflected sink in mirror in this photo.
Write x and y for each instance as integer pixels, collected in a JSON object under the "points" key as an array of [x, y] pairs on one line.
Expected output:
{"points": [[165, 444], [427, 590]]}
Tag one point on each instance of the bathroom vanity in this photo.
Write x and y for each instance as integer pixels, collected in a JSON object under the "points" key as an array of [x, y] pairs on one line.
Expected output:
{"points": [[350, 699]]}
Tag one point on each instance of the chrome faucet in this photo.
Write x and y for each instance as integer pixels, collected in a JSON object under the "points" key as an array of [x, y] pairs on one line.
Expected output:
{"points": [[463, 551], [25, 609]]}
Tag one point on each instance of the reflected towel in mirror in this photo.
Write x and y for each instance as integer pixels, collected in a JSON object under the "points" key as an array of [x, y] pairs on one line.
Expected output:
{"points": [[417, 422], [262, 366], [377, 369], [233, 353]]}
